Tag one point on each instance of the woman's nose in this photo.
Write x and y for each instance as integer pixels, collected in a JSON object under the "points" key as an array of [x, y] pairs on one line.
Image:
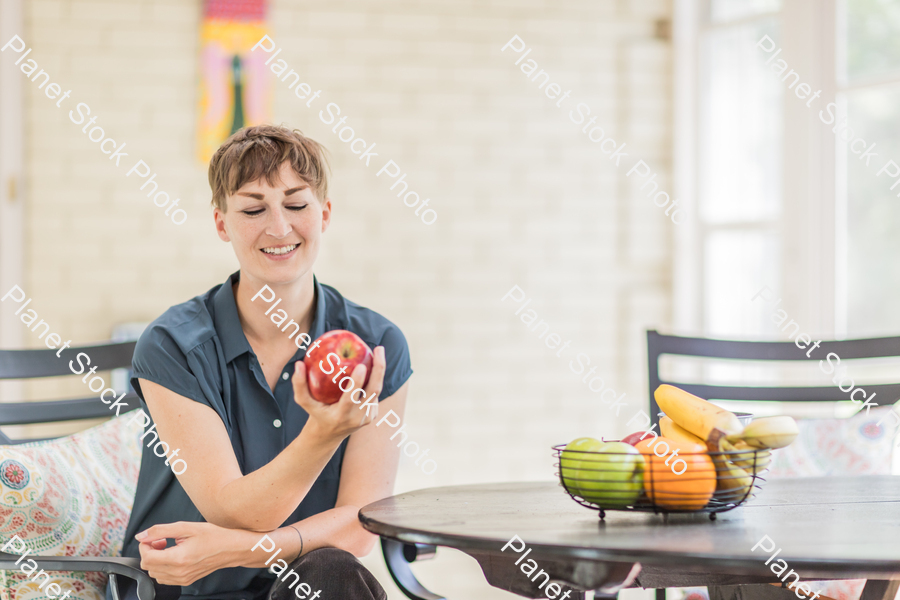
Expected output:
{"points": [[278, 225]]}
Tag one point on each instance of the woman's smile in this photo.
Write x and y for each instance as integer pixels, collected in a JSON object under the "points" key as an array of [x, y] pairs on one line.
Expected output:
{"points": [[280, 252]]}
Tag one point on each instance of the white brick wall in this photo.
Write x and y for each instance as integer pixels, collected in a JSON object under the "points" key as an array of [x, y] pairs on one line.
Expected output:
{"points": [[522, 196]]}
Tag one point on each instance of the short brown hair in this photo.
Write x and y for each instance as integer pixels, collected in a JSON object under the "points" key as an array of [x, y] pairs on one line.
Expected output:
{"points": [[255, 152]]}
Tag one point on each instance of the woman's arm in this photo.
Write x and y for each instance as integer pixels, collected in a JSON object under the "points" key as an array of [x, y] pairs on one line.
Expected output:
{"points": [[368, 473], [202, 548], [263, 499]]}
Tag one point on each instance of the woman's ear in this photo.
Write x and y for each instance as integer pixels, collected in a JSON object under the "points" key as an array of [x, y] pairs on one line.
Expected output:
{"points": [[219, 218], [326, 213]]}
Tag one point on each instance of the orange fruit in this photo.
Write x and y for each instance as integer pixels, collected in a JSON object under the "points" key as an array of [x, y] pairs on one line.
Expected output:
{"points": [[687, 482]]}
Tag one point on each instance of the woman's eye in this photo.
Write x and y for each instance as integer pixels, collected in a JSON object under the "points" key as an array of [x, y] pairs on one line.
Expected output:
{"points": [[251, 213], [297, 207]]}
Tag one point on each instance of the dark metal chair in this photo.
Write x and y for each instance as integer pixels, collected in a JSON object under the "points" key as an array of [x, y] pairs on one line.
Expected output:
{"points": [[29, 364], [658, 345]]}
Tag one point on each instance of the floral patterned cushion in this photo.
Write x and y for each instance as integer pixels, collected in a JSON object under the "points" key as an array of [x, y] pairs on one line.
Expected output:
{"points": [[855, 446], [69, 496]]}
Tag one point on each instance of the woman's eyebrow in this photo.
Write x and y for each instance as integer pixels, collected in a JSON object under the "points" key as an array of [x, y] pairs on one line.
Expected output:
{"points": [[258, 196]]}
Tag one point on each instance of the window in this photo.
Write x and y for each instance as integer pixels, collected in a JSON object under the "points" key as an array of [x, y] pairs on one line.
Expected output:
{"points": [[740, 158], [869, 101], [782, 195]]}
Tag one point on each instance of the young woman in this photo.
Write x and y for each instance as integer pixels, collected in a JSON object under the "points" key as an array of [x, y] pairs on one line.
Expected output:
{"points": [[226, 387]]}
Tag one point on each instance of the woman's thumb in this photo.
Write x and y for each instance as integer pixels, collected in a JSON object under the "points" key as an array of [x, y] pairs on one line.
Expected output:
{"points": [[301, 389]]}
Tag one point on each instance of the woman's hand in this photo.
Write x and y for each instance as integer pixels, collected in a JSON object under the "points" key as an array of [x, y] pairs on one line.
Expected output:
{"points": [[337, 421], [200, 549]]}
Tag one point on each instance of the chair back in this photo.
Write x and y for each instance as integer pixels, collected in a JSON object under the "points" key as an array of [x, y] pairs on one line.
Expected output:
{"points": [[30, 364], [658, 344]]}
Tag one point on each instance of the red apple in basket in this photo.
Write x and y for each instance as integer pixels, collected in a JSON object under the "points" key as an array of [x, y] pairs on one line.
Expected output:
{"points": [[336, 350], [634, 438]]}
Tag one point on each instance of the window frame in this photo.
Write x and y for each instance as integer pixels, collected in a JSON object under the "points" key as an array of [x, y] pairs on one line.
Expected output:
{"points": [[808, 230]]}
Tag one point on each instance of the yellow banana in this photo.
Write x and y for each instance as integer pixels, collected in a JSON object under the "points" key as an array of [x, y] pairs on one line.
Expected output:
{"points": [[767, 432], [732, 482], [701, 418], [670, 429], [753, 461]]}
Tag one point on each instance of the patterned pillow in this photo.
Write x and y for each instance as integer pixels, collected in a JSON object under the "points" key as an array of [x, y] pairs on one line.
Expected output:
{"points": [[67, 497], [854, 446]]}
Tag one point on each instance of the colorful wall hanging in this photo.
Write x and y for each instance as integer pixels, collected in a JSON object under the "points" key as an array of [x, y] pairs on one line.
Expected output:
{"points": [[234, 90]]}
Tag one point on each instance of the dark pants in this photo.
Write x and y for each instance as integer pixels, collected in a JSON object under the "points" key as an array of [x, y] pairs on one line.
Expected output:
{"points": [[336, 572]]}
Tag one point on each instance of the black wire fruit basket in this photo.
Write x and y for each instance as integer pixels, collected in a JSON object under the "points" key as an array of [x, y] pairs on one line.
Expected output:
{"points": [[710, 482]]}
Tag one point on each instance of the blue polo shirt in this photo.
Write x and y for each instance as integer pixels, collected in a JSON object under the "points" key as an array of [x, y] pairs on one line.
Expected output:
{"points": [[198, 350]]}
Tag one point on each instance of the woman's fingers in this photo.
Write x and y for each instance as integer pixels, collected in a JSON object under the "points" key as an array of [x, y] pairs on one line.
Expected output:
{"points": [[376, 380], [368, 415], [374, 387], [358, 375], [152, 559], [341, 417], [163, 531], [177, 565]]}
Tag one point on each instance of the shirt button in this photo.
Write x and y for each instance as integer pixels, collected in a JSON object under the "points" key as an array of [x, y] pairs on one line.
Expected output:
{"points": [[277, 422], [285, 376]]}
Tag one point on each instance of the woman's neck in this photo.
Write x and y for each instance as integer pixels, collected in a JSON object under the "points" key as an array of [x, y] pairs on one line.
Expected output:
{"points": [[297, 300]]}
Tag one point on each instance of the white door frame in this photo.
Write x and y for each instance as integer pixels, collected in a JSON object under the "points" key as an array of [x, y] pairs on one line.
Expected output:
{"points": [[12, 189]]}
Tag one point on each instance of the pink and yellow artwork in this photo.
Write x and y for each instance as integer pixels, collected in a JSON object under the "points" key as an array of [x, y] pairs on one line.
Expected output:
{"points": [[234, 91]]}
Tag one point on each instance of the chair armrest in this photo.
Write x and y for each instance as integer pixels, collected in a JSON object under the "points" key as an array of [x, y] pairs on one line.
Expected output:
{"points": [[129, 567], [397, 556]]}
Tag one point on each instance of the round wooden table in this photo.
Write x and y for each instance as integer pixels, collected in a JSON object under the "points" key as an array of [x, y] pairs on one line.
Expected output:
{"points": [[827, 528]]}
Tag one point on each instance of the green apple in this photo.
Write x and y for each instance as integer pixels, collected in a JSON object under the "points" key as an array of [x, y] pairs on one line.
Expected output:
{"points": [[571, 459], [613, 479]]}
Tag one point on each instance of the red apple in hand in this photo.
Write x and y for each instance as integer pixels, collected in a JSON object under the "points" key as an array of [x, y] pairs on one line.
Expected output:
{"points": [[325, 359]]}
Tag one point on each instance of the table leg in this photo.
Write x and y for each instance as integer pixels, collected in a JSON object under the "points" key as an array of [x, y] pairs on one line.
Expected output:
{"points": [[397, 557]]}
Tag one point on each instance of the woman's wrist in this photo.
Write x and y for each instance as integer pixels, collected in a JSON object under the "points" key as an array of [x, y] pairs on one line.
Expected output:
{"points": [[280, 544], [319, 436], [297, 529], [242, 549]]}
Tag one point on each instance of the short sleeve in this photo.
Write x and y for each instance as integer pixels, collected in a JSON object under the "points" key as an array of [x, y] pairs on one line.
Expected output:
{"points": [[396, 354], [159, 358]]}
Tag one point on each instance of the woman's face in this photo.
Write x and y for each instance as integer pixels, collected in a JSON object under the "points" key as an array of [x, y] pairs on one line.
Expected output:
{"points": [[274, 230]]}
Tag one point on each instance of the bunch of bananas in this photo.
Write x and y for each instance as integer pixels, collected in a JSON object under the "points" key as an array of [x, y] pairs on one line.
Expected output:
{"points": [[738, 452]]}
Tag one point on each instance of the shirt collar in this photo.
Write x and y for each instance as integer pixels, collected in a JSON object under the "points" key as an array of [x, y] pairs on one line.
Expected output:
{"points": [[319, 326], [228, 324]]}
